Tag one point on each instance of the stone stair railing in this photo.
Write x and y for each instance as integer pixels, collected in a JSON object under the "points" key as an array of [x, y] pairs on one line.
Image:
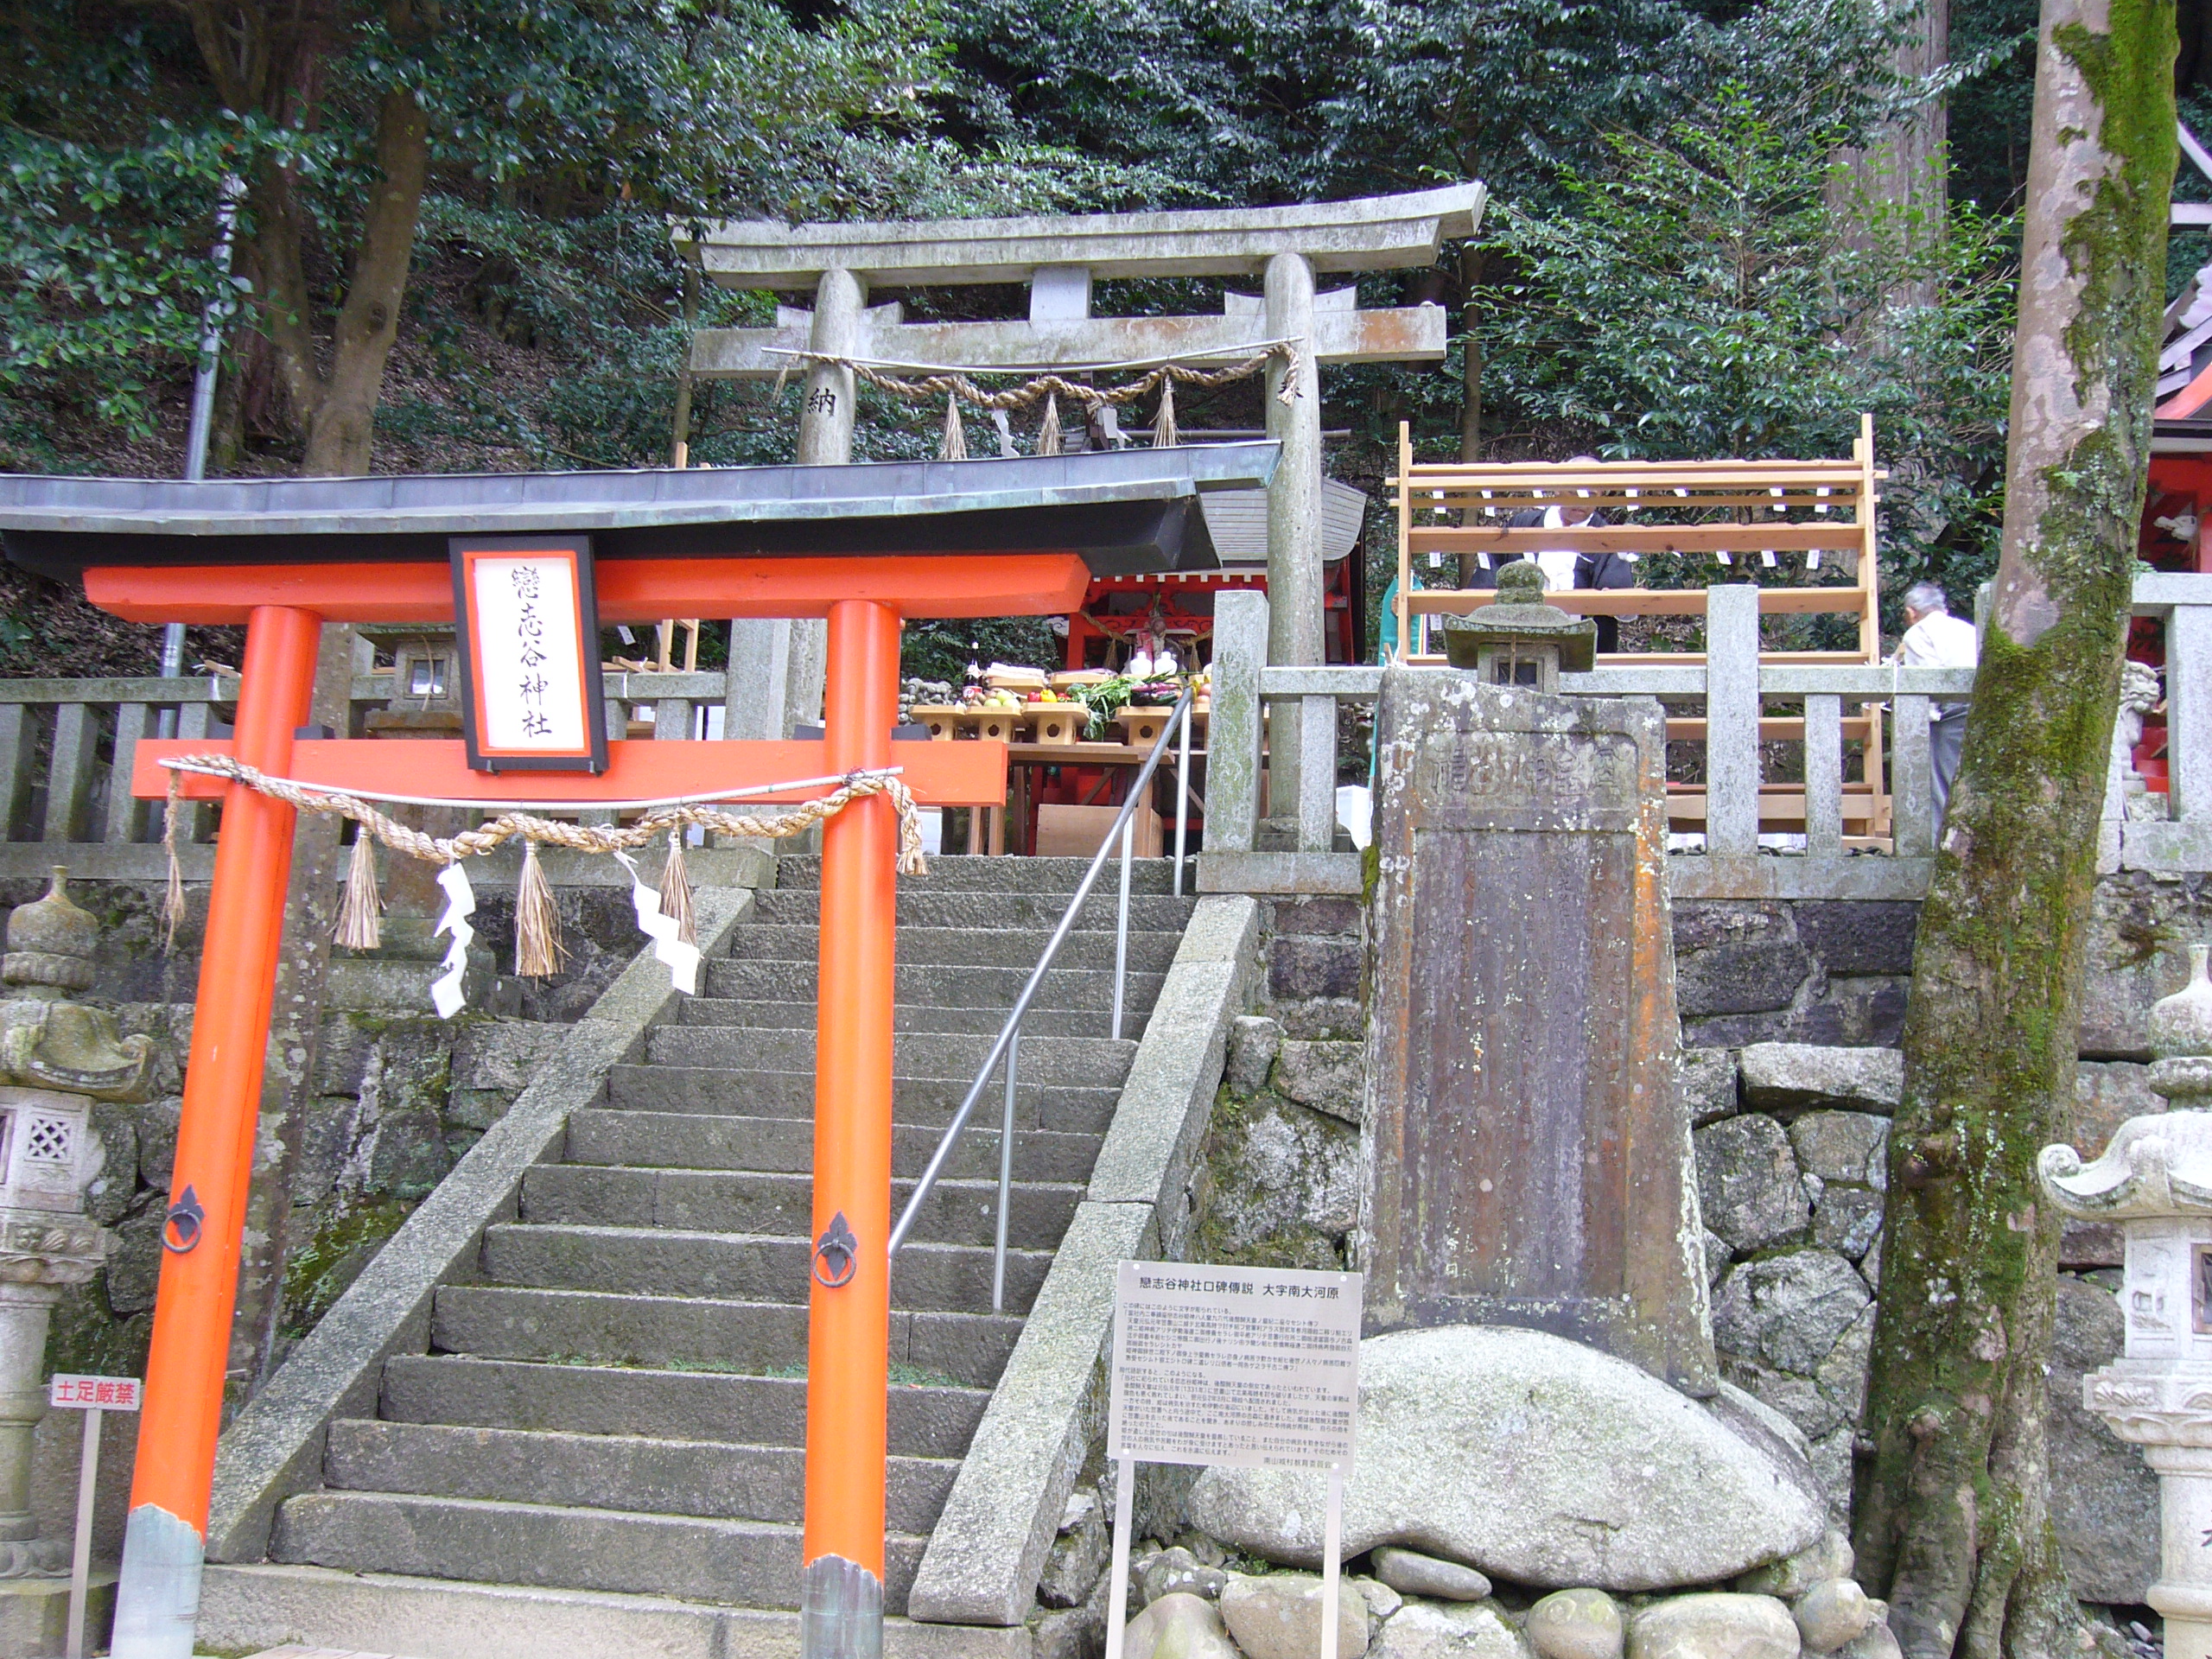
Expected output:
{"points": [[1731, 690]]}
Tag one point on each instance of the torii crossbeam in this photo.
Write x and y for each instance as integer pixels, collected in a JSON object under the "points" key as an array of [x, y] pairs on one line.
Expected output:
{"points": [[865, 547]]}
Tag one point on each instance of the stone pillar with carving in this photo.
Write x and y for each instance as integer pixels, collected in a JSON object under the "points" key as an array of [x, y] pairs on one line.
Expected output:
{"points": [[2155, 1179], [57, 1058]]}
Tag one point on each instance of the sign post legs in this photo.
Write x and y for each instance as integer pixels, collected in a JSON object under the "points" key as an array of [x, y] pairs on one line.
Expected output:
{"points": [[81, 1557], [848, 1323], [158, 1597], [1117, 1575]]}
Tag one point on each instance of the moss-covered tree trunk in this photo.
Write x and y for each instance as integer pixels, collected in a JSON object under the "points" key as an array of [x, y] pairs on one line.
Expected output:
{"points": [[1954, 1525]]}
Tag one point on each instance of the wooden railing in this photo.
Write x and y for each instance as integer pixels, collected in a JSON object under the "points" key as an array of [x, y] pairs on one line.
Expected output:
{"points": [[66, 749], [1758, 511], [1741, 712]]}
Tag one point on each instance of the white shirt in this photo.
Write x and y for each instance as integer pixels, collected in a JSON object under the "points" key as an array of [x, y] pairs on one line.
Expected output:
{"points": [[1556, 563], [1939, 640]]}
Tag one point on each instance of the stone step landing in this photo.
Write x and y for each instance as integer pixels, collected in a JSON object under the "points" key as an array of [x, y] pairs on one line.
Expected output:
{"points": [[256, 1609]]}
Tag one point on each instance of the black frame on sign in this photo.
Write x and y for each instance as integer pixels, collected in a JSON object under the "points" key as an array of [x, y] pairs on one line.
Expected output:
{"points": [[592, 758]]}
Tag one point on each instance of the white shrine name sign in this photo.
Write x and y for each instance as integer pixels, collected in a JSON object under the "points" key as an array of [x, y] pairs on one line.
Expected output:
{"points": [[529, 626]]}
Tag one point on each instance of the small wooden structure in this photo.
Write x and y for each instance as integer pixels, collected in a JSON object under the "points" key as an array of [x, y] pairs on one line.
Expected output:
{"points": [[1821, 512]]}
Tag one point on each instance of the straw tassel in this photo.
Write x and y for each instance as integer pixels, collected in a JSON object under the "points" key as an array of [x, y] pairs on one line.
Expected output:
{"points": [[537, 919], [172, 896], [1048, 434], [676, 882], [359, 928], [953, 446], [1163, 423]]}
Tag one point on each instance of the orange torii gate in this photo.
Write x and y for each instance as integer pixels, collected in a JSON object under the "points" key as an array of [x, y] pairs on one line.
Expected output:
{"points": [[865, 547]]}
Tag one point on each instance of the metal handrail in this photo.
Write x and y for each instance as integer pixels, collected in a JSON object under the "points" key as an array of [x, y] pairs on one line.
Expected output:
{"points": [[1007, 1044]]}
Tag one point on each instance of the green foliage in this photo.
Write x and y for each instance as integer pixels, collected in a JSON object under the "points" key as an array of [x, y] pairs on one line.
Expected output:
{"points": [[942, 650], [1715, 293]]}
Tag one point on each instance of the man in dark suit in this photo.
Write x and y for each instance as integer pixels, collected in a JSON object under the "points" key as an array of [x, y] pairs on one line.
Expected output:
{"points": [[1588, 570]]}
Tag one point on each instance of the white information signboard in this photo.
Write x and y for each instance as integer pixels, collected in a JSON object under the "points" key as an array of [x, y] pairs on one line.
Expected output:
{"points": [[1252, 1366]]}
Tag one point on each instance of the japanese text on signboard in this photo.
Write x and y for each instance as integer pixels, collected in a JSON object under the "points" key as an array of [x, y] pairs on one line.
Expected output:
{"points": [[72, 1393], [1258, 1366], [527, 659]]}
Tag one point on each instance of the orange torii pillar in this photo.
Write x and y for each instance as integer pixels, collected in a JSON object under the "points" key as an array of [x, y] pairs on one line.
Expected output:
{"points": [[158, 1594]]}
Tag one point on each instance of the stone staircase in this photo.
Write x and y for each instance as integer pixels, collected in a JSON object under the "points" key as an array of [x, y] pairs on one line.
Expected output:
{"points": [[617, 1402]]}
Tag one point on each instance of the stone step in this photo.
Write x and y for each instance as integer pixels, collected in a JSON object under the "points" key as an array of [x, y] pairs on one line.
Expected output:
{"points": [[750, 1563], [250, 1609], [739, 1266], [925, 1421], [1084, 1062], [964, 987], [930, 1102], [1150, 952], [1037, 912], [977, 874], [749, 1201], [712, 1011], [785, 1145], [651, 1475], [672, 1332]]}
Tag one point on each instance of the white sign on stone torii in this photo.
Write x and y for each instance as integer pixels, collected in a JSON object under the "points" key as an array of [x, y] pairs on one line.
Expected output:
{"points": [[1282, 248]]}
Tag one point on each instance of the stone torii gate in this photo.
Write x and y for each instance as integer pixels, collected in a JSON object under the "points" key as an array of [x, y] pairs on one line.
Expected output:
{"points": [[1060, 258], [863, 548]]}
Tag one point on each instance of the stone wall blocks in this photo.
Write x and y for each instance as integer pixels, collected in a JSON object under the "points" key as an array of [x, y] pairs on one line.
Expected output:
{"points": [[1708, 1084], [1429, 1630], [1861, 937], [2104, 1500], [1253, 1041], [2107, 1093], [1577, 1624], [1299, 968], [1848, 1146], [1748, 1185], [1183, 1627], [1742, 978], [1830, 1557], [1800, 1076], [1278, 1616], [1832, 1612], [1848, 1220], [1716, 1625], [1788, 1311], [1330, 1077]]}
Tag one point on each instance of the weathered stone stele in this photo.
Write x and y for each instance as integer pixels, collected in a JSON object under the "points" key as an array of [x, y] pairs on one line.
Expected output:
{"points": [[1528, 1155]]}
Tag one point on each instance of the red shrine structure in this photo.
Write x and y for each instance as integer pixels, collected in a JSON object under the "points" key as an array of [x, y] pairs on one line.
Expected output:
{"points": [[531, 565]]}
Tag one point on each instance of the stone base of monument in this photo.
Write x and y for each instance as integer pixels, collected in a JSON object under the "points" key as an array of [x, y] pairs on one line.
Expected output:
{"points": [[1571, 1477], [34, 1616]]}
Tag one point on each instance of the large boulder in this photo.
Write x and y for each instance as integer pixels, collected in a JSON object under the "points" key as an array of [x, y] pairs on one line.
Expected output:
{"points": [[1278, 1616], [1427, 1630], [1539, 1461], [1714, 1627], [1180, 1626]]}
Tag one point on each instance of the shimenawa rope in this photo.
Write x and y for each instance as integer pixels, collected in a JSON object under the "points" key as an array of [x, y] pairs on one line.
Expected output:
{"points": [[357, 915]]}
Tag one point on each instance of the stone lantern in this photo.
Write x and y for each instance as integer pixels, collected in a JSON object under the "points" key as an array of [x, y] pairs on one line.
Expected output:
{"points": [[2155, 1179], [1519, 640], [57, 1058]]}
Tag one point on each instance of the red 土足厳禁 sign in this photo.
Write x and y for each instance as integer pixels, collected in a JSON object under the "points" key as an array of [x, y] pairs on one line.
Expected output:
{"points": [[68, 1392], [529, 626]]}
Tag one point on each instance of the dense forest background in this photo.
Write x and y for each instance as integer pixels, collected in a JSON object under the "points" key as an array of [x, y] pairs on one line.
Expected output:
{"points": [[1717, 226]]}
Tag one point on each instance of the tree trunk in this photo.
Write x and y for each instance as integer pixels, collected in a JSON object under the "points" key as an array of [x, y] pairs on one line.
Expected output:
{"points": [[1953, 1520], [343, 424]]}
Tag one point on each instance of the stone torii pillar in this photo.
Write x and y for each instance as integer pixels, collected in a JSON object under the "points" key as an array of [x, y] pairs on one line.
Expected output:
{"points": [[1061, 258]]}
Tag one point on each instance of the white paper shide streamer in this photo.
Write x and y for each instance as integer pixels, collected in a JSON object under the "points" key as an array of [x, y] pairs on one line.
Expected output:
{"points": [[446, 994], [682, 959]]}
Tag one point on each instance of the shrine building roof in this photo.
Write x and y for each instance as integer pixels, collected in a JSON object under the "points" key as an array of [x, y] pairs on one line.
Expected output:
{"points": [[1124, 510]]}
